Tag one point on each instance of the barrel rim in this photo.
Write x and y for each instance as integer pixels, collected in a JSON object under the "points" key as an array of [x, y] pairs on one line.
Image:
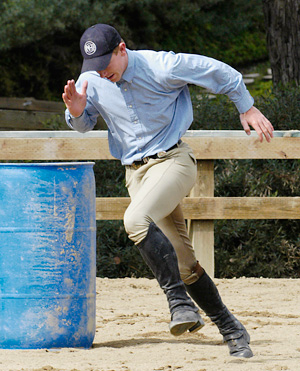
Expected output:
{"points": [[46, 164]]}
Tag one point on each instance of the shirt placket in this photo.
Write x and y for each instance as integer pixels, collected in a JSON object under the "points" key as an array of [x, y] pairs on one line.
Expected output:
{"points": [[134, 118]]}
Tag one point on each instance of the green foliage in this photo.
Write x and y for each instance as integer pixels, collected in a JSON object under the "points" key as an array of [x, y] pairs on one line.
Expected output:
{"points": [[116, 254], [213, 114], [240, 47], [39, 70], [55, 122], [281, 106], [39, 39], [268, 248], [229, 30], [26, 21]]}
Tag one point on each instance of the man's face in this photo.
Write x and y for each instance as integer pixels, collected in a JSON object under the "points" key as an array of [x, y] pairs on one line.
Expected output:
{"points": [[117, 65]]}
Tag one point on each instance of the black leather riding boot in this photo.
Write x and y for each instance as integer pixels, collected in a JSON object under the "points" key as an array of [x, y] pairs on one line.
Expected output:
{"points": [[161, 258], [206, 295]]}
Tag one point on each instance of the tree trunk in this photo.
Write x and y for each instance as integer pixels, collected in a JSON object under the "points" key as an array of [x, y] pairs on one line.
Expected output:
{"points": [[282, 19]]}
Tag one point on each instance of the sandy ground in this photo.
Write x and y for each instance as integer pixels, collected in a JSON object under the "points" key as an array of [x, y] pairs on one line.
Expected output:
{"points": [[132, 332]]}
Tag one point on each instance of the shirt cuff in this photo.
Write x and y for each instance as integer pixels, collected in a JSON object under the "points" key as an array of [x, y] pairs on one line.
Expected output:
{"points": [[77, 123], [245, 103], [76, 117]]}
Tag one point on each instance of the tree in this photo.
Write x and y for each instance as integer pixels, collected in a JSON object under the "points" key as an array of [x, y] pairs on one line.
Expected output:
{"points": [[282, 18], [26, 21], [39, 39]]}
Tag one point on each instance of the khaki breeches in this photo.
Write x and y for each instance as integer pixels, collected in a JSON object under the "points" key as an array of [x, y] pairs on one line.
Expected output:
{"points": [[156, 190]]}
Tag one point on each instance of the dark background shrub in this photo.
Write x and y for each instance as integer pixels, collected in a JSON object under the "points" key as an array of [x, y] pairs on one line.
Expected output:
{"points": [[39, 39]]}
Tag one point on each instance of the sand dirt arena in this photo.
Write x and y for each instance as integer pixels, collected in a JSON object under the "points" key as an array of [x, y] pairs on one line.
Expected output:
{"points": [[132, 332]]}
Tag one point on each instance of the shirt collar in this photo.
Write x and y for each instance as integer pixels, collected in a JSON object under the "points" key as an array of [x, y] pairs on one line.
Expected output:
{"points": [[129, 72]]}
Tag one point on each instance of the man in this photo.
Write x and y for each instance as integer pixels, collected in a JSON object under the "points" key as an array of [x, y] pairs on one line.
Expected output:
{"points": [[143, 96]]}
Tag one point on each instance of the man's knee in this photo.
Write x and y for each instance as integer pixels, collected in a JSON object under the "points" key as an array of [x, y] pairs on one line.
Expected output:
{"points": [[136, 225], [190, 275], [130, 222]]}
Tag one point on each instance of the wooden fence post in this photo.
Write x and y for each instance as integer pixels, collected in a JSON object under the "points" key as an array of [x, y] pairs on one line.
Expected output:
{"points": [[201, 232]]}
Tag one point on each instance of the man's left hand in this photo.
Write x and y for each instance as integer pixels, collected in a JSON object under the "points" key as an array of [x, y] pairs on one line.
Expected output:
{"points": [[253, 117]]}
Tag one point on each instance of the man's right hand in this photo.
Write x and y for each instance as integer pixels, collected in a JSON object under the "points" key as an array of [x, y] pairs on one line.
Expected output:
{"points": [[74, 101]]}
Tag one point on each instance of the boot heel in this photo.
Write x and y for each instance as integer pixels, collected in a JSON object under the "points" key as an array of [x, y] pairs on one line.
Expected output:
{"points": [[198, 326]]}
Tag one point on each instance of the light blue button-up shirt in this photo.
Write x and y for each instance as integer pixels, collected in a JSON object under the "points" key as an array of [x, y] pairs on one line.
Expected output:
{"points": [[150, 108]]}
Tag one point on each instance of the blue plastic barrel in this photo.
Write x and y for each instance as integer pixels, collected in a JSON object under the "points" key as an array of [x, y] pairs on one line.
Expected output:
{"points": [[47, 255]]}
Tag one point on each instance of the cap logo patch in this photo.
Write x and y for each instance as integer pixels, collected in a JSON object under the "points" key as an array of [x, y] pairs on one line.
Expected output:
{"points": [[90, 47]]}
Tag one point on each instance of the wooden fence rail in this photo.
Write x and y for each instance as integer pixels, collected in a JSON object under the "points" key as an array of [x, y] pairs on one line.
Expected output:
{"points": [[34, 114], [201, 208]]}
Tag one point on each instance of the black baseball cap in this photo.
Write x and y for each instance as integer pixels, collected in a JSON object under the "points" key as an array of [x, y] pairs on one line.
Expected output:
{"points": [[97, 45]]}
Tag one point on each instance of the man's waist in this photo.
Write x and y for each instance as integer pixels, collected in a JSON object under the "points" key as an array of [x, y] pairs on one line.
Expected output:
{"points": [[145, 160]]}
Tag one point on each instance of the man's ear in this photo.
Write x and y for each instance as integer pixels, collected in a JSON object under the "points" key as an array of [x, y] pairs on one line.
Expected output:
{"points": [[122, 47]]}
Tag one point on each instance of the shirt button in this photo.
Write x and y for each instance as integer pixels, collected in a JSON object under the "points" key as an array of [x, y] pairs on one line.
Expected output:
{"points": [[125, 89], [130, 106]]}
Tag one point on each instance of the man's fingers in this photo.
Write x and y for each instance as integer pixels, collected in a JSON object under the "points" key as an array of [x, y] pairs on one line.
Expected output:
{"points": [[66, 99], [267, 129], [269, 124], [255, 126], [68, 90], [71, 87], [245, 126], [266, 133], [262, 131], [260, 124], [263, 127]]}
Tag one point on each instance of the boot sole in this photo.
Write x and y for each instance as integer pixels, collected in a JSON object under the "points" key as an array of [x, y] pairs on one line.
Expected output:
{"points": [[181, 328], [185, 321]]}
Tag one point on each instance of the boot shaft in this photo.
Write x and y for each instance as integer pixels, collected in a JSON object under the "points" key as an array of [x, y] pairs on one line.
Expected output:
{"points": [[159, 254], [205, 293]]}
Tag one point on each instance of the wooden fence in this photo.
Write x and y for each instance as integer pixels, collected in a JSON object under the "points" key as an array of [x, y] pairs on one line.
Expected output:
{"points": [[201, 208], [34, 114]]}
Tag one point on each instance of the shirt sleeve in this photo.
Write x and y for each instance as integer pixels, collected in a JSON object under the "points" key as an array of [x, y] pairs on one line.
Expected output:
{"points": [[82, 124], [209, 73]]}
